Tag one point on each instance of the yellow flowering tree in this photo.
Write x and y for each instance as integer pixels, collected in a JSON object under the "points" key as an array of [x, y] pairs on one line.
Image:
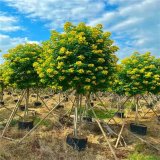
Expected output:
{"points": [[82, 58], [20, 71], [140, 73], [19, 62], [2, 83]]}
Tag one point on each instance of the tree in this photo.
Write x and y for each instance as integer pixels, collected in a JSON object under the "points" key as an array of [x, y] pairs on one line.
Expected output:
{"points": [[20, 71], [139, 74], [82, 58]]}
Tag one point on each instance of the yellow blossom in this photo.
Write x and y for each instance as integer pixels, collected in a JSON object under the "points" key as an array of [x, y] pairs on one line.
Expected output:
{"points": [[61, 78], [79, 63], [49, 70], [101, 60], [87, 87], [71, 70], [90, 65], [105, 72], [81, 57], [62, 50], [87, 80], [80, 71]]}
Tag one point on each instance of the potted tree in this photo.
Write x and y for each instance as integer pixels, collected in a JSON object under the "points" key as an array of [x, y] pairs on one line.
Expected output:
{"points": [[81, 58], [139, 75], [21, 74], [1, 85]]}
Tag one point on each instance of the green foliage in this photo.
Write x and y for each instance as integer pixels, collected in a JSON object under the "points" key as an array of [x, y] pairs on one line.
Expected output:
{"points": [[82, 58], [101, 114], [138, 74], [19, 66], [140, 156]]}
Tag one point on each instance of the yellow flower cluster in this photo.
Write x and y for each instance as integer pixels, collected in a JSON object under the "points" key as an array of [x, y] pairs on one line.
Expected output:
{"points": [[81, 71], [148, 74], [60, 65], [79, 63], [105, 72], [62, 50], [101, 60], [61, 78], [99, 41], [71, 70], [87, 87], [90, 65], [87, 80], [81, 57]]}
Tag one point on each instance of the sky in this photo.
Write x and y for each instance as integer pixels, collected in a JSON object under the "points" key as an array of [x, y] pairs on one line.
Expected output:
{"points": [[134, 24]]}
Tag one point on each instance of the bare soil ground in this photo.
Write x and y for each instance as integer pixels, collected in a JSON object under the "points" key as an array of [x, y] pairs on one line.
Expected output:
{"points": [[48, 141]]}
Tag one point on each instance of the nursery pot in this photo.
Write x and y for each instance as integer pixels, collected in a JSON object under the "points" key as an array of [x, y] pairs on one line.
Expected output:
{"points": [[158, 118], [140, 129], [120, 114], [25, 124], [22, 107], [46, 97], [36, 104], [60, 106], [1, 102], [92, 104], [78, 143], [33, 95], [87, 119], [16, 100], [9, 93]]}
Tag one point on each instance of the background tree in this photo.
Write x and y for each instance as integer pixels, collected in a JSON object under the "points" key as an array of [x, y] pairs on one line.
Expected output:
{"points": [[20, 71]]}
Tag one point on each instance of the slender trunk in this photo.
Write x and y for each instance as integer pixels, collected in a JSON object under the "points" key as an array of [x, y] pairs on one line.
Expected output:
{"points": [[76, 115], [37, 94], [136, 103], [27, 102]]}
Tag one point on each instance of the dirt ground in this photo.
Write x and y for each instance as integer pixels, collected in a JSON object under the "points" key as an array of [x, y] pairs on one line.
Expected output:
{"points": [[48, 141]]}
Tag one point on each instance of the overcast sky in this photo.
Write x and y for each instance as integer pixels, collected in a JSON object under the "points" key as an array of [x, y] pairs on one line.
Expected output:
{"points": [[135, 24]]}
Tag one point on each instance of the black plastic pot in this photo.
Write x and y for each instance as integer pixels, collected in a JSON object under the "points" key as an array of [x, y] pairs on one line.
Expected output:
{"points": [[87, 119], [1, 102], [46, 97], [25, 124], [33, 95], [92, 104], [60, 106], [158, 118], [77, 143], [37, 104], [149, 106], [120, 114], [22, 107], [51, 95], [16, 100], [140, 129], [9, 93]]}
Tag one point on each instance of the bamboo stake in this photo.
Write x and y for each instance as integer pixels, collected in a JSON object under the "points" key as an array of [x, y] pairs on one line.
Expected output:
{"points": [[110, 146], [119, 135], [13, 113], [39, 122]]}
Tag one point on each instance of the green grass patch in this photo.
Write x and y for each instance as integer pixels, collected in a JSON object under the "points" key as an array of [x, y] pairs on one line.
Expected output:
{"points": [[140, 156], [101, 114], [46, 122]]}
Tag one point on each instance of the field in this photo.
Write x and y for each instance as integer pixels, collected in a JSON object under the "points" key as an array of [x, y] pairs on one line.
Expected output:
{"points": [[48, 141]]}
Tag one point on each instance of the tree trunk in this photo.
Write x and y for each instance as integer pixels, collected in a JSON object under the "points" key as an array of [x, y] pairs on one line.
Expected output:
{"points": [[26, 106]]}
